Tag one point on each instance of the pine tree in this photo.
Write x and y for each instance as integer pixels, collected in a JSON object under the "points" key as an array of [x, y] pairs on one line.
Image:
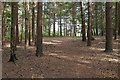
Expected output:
{"points": [[39, 30], [108, 46]]}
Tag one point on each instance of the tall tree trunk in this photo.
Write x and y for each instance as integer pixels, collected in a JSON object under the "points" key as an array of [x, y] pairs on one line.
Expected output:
{"points": [[89, 23], [73, 15], [108, 46], [83, 22], [29, 32], [64, 27], [102, 18], [3, 24], [26, 24], [58, 27], [13, 25], [39, 30], [50, 18], [54, 20], [116, 22], [22, 23], [33, 22], [17, 29], [119, 18], [96, 21], [60, 19]]}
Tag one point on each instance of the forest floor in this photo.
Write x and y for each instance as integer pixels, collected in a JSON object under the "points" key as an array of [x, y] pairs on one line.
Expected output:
{"points": [[64, 57]]}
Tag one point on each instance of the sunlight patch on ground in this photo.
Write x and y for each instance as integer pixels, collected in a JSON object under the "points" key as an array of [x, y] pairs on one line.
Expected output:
{"points": [[7, 45], [56, 41], [93, 48], [110, 59], [50, 43]]}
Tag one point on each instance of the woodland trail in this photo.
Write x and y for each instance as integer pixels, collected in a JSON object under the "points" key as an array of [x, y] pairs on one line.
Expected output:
{"points": [[64, 57]]}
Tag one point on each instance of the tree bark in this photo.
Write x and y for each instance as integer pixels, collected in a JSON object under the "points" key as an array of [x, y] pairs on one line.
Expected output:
{"points": [[26, 24], [50, 19], [54, 20], [39, 30], [102, 19], [73, 15], [13, 25], [108, 46], [83, 22], [116, 22], [3, 24], [89, 23], [96, 21], [33, 22], [60, 19], [22, 23]]}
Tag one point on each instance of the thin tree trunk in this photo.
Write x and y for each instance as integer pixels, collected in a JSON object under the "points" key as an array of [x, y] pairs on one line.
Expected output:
{"points": [[54, 20], [17, 29], [96, 21], [26, 24], [39, 30], [73, 15], [13, 25], [89, 23], [33, 22], [83, 22], [3, 24], [29, 32], [60, 19], [102, 26], [66, 27], [50, 18], [22, 23], [116, 22], [58, 27], [108, 46]]}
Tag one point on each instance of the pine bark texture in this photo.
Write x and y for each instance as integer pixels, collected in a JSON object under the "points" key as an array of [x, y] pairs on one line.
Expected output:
{"points": [[26, 24], [83, 22], [116, 22], [50, 19], [54, 20], [89, 23], [96, 19], [39, 31], [33, 22], [108, 45], [60, 19], [13, 26], [3, 24], [22, 22]]}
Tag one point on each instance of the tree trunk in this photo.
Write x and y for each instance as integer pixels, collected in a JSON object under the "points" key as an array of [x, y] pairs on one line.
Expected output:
{"points": [[96, 21], [3, 24], [108, 46], [73, 15], [54, 20], [29, 32], [83, 22], [102, 18], [14, 22], [26, 24], [116, 22], [50, 18], [22, 23], [33, 22], [39, 30], [60, 19], [89, 23], [58, 27]]}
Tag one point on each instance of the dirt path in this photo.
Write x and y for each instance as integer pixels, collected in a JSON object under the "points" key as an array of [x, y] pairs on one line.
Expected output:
{"points": [[63, 58]]}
